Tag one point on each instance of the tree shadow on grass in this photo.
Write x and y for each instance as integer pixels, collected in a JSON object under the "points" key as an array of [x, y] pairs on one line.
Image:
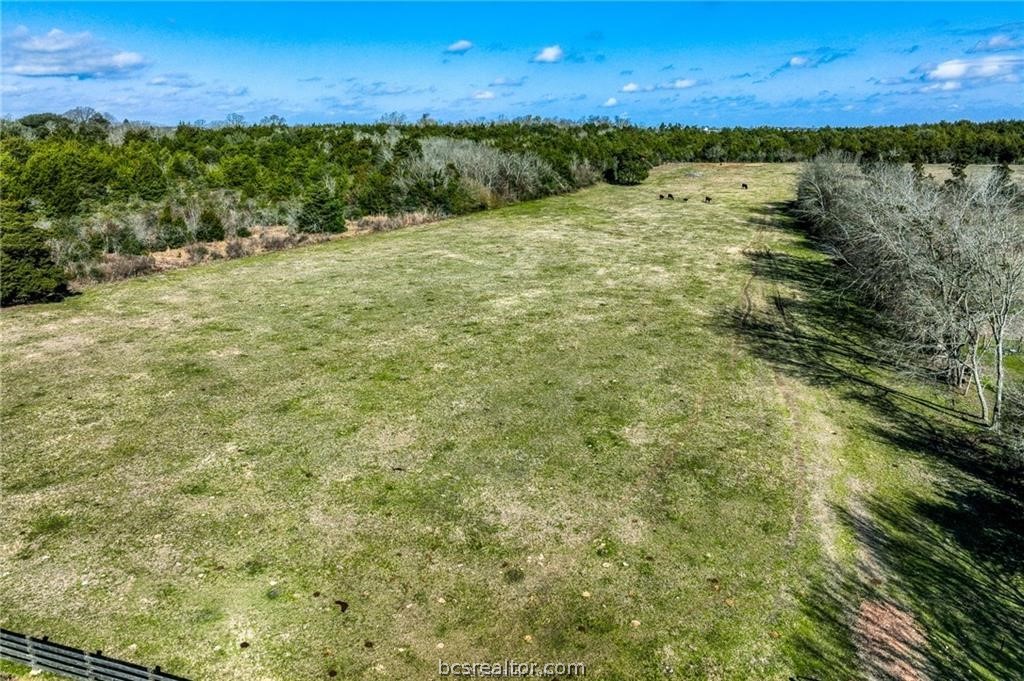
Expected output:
{"points": [[955, 558], [947, 603]]}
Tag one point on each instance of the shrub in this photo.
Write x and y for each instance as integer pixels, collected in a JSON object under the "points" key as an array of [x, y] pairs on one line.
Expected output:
{"points": [[235, 248], [114, 266], [196, 252], [387, 223], [241, 172], [144, 178], [582, 173], [508, 176], [63, 175], [27, 271], [210, 227], [111, 236], [377, 194], [276, 242], [821, 187], [171, 231]]}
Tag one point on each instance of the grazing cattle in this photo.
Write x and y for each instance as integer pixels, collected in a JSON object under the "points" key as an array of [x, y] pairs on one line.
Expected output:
{"points": [[686, 198], [744, 185], [707, 199], [670, 197], [661, 196]]}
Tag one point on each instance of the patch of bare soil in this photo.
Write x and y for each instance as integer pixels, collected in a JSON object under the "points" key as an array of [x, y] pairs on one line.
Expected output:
{"points": [[265, 239], [114, 266], [889, 641]]}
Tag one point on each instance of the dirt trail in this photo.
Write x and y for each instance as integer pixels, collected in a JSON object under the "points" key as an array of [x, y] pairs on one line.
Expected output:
{"points": [[890, 642]]}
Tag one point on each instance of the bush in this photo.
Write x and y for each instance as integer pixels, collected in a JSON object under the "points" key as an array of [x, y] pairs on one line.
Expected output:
{"points": [[64, 175], [112, 237], [171, 231], [582, 173], [235, 248], [27, 271], [276, 242], [114, 266], [322, 212], [629, 167], [508, 176], [377, 195], [822, 186], [387, 223], [210, 227], [196, 252]]}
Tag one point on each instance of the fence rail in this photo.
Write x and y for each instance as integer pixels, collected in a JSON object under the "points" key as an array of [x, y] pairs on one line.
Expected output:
{"points": [[40, 653]]}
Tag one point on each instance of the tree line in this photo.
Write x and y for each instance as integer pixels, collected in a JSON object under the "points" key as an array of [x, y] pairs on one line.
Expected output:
{"points": [[943, 264], [91, 189]]}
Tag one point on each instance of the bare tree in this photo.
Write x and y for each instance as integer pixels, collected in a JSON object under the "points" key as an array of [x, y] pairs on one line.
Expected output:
{"points": [[191, 208], [944, 263]]}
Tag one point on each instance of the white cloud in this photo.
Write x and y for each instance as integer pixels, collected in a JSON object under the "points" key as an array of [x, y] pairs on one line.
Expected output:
{"points": [[54, 41], [998, 43], [811, 59], [679, 84], [174, 80], [1004, 68], [483, 94], [228, 92], [502, 81], [459, 47], [611, 101], [60, 54], [550, 55], [379, 89], [945, 86]]}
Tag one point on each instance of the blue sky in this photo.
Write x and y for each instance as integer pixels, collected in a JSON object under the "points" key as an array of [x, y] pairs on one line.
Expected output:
{"points": [[764, 63]]}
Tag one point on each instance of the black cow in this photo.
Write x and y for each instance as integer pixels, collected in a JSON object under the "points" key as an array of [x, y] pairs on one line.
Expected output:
{"points": [[670, 197], [661, 196], [707, 199], [686, 198], [744, 185]]}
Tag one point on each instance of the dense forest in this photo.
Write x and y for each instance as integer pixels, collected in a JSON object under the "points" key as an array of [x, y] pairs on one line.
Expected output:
{"points": [[86, 197]]}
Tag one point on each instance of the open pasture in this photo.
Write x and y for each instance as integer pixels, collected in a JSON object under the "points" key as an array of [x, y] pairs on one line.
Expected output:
{"points": [[600, 428]]}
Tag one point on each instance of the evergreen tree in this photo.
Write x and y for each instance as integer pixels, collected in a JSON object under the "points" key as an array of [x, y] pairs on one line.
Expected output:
{"points": [[27, 271], [958, 171], [210, 227], [629, 167], [322, 212], [171, 229]]}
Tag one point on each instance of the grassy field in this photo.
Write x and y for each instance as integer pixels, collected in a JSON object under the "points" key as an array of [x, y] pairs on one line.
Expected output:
{"points": [[603, 428]]}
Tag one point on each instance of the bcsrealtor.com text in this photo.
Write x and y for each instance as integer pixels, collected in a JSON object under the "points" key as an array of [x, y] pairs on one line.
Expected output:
{"points": [[511, 668]]}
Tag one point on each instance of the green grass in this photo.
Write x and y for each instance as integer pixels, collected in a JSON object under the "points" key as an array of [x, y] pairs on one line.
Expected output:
{"points": [[513, 434]]}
